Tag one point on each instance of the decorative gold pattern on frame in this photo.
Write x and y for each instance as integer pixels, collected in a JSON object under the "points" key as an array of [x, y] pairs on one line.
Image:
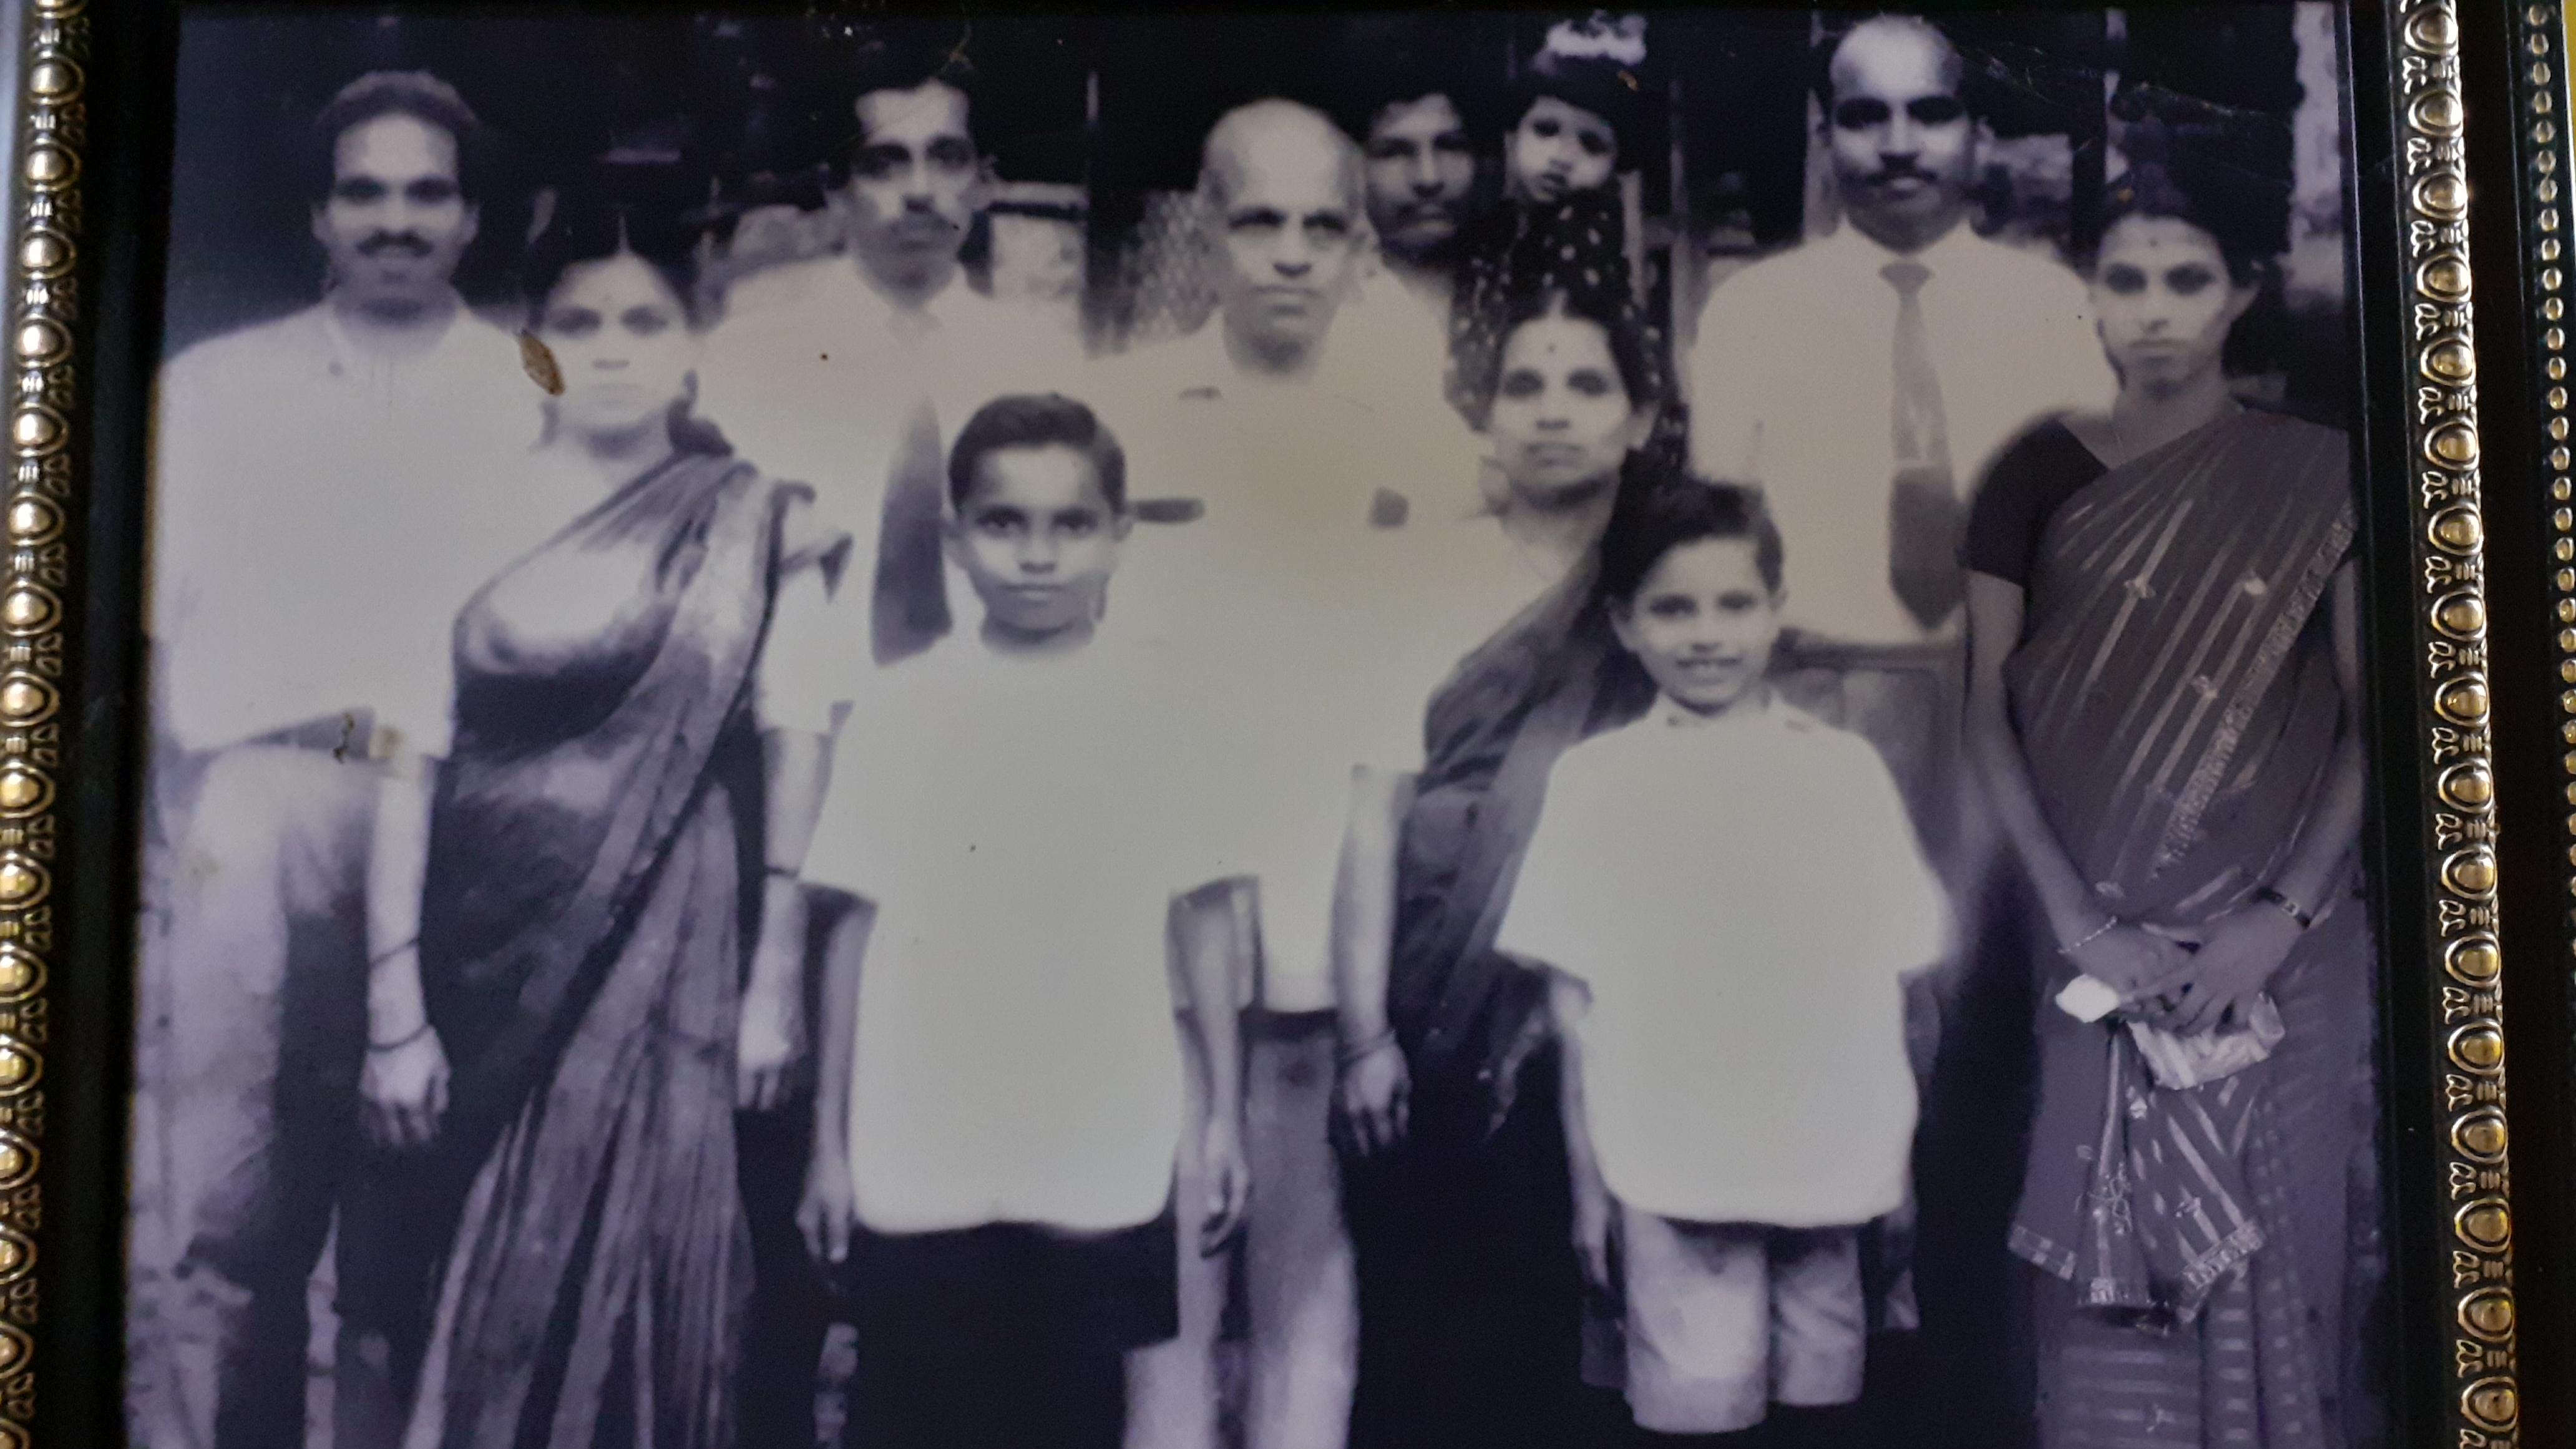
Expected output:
{"points": [[35, 583], [2484, 1410]]}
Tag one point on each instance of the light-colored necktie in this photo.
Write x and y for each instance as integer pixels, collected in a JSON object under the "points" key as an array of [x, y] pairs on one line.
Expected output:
{"points": [[1925, 520]]}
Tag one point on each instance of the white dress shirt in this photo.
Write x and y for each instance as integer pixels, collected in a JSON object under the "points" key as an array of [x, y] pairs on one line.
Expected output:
{"points": [[814, 374], [1742, 896], [1792, 385], [1023, 824], [321, 512], [816, 377], [1312, 499]]}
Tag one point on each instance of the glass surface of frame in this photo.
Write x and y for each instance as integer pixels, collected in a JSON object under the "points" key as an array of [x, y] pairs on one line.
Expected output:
{"points": [[1368, 729]]}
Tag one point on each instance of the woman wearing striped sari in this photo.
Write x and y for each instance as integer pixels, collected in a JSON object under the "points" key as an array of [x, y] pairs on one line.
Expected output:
{"points": [[2165, 705]]}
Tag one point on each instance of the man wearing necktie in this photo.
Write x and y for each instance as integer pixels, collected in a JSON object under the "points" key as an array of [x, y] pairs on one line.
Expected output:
{"points": [[1864, 381], [849, 372]]}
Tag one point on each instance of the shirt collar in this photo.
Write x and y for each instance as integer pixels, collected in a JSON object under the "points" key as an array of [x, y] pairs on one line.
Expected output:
{"points": [[1209, 366], [348, 358], [1867, 253], [1769, 713], [948, 308]]}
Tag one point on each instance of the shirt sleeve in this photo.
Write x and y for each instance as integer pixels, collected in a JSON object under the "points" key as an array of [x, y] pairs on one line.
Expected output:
{"points": [[2081, 365], [1725, 413], [844, 852], [2012, 508], [2037, 475], [1554, 911], [805, 680], [1907, 927]]}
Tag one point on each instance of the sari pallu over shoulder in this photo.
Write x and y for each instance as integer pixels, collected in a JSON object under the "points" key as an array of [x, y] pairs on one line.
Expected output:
{"points": [[583, 945], [1552, 678], [576, 760], [2172, 722]]}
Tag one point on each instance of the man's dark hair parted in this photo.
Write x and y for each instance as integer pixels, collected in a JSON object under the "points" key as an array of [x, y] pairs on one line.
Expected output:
{"points": [[1677, 510], [415, 93], [913, 59], [1028, 420], [904, 63]]}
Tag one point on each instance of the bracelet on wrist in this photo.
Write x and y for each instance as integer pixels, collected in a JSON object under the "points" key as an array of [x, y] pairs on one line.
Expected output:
{"points": [[2089, 937], [782, 872], [390, 952], [1352, 1053], [399, 1043], [2286, 906]]}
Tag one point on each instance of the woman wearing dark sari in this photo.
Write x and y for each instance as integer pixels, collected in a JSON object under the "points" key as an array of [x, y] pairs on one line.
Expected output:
{"points": [[2165, 706], [620, 773], [1455, 1179]]}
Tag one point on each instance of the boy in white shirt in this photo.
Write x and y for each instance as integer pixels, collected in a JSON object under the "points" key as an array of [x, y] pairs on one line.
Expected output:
{"points": [[1729, 895], [1002, 1090]]}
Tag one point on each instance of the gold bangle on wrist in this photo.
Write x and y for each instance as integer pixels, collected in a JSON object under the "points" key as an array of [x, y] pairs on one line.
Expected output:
{"points": [[400, 1042], [2089, 937]]}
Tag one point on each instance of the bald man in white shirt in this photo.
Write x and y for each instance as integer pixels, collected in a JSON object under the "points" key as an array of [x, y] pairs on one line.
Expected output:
{"points": [[329, 489], [1295, 460]]}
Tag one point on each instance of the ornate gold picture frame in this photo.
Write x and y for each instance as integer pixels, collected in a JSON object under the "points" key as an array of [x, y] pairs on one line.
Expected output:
{"points": [[94, 249]]}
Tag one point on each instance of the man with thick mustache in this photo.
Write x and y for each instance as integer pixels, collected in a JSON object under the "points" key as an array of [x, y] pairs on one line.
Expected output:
{"points": [[302, 695], [1421, 169], [1865, 380], [1903, 313], [846, 371], [850, 372]]}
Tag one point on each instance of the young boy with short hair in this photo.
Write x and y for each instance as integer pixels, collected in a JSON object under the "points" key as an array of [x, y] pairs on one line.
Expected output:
{"points": [[1729, 896], [1002, 1090]]}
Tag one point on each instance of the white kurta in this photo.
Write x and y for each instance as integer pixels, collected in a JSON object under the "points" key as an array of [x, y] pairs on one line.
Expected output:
{"points": [[1023, 825], [1742, 896], [319, 516]]}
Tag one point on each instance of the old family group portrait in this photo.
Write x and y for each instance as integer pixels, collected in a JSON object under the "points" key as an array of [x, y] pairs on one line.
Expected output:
{"points": [[1393, 731]]}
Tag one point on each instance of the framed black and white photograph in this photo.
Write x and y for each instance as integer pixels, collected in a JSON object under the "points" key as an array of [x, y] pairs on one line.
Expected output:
{"points": [[1371, 729]]}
